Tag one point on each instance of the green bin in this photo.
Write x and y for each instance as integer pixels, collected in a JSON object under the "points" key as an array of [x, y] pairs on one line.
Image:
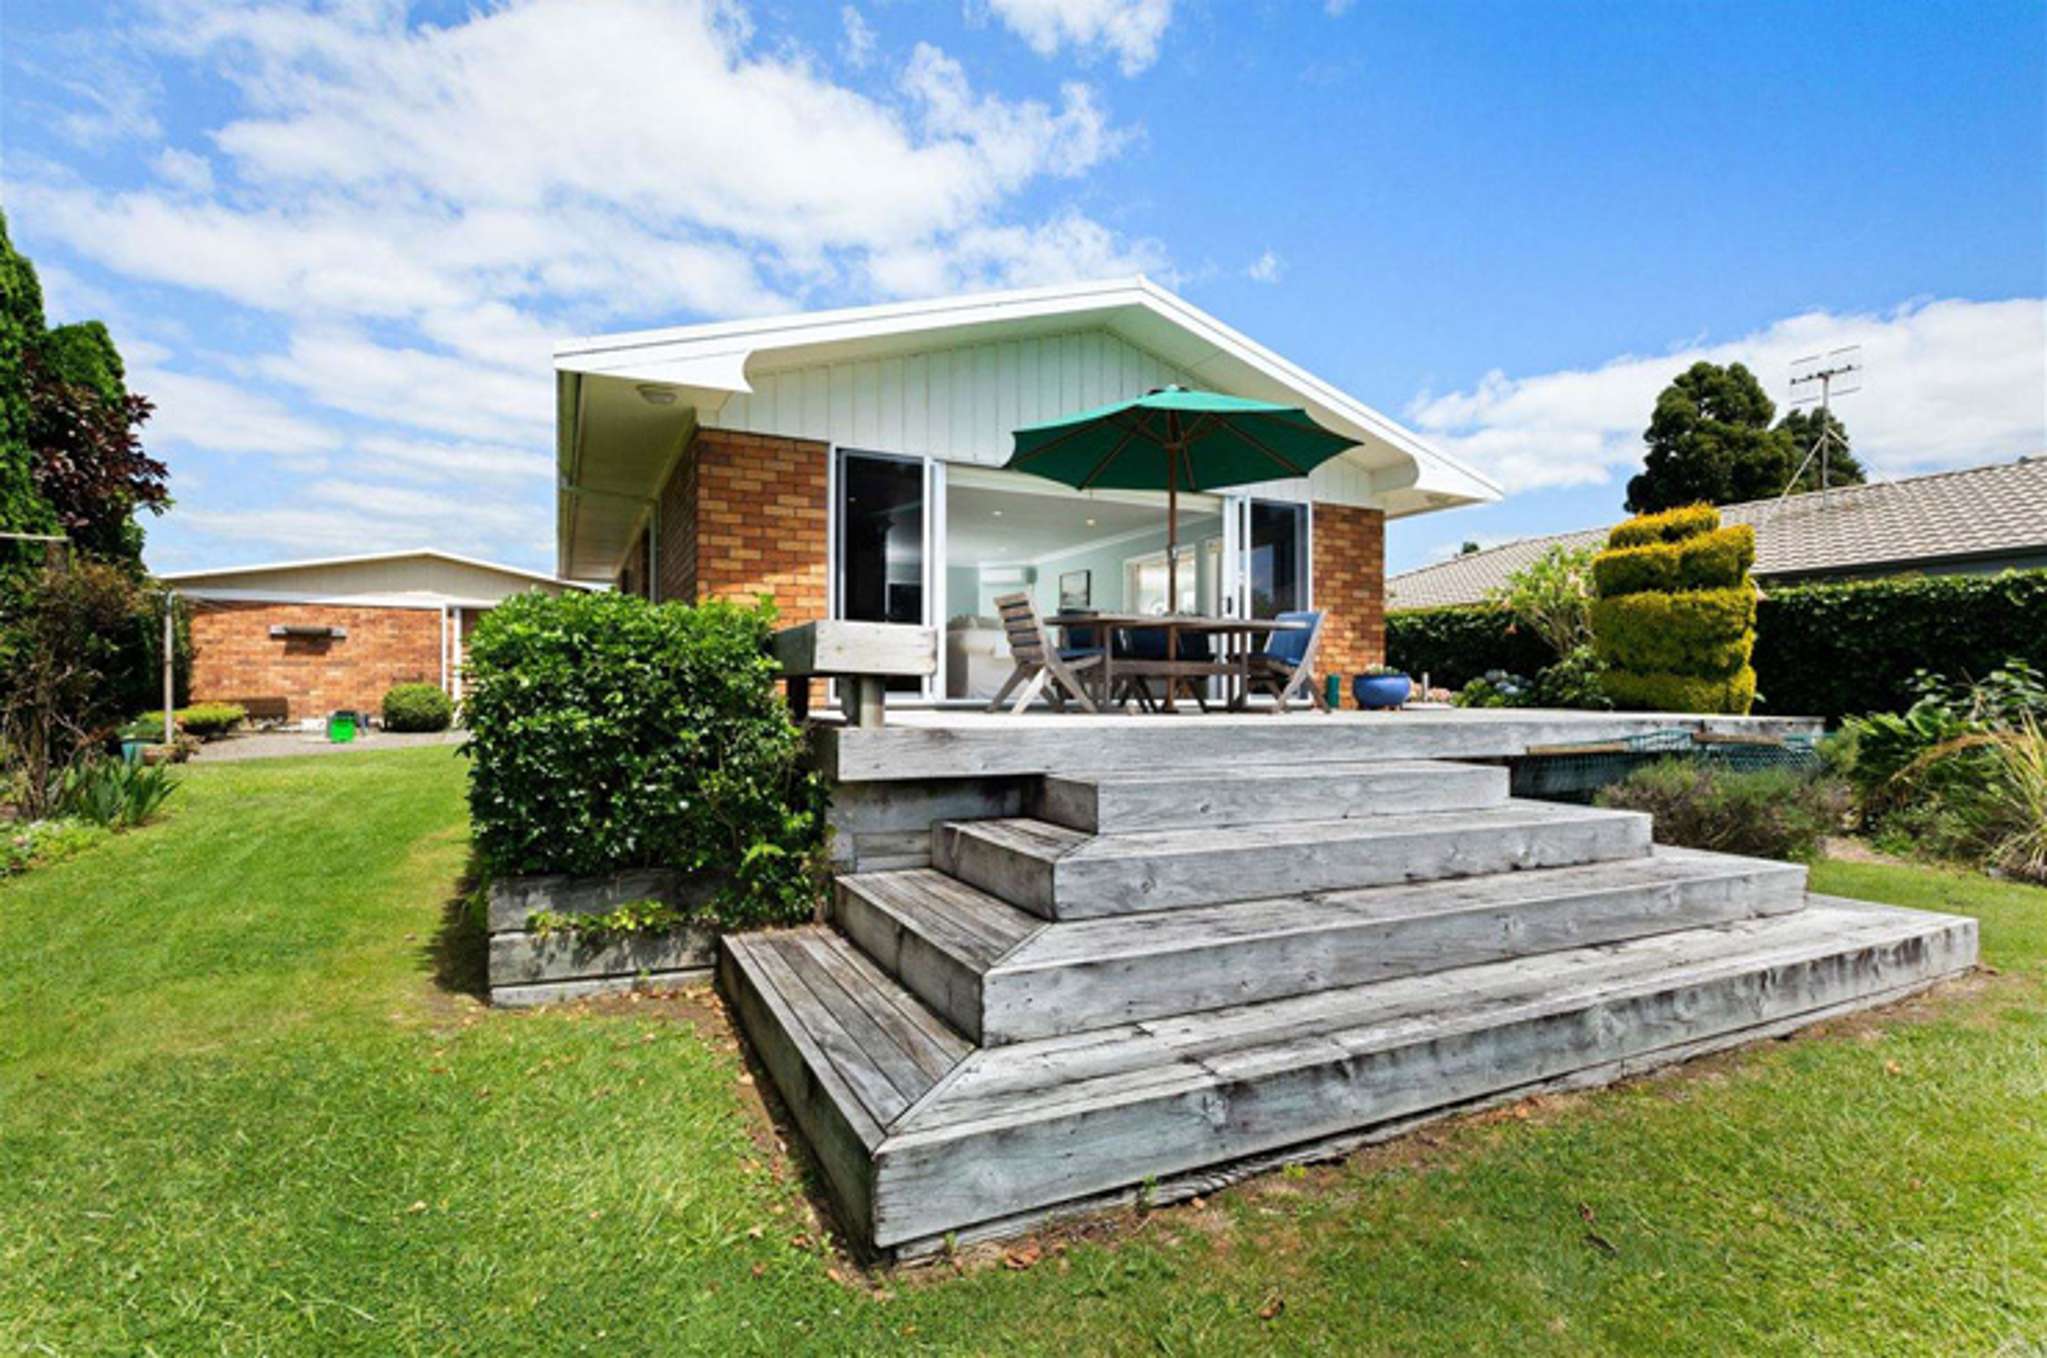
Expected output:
{"points": [[341, 727]]}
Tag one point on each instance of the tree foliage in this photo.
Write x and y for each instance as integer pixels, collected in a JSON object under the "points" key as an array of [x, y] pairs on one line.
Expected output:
{"points": [[1552, 597], [71, 459], [1711, 440], [1676, 640]]}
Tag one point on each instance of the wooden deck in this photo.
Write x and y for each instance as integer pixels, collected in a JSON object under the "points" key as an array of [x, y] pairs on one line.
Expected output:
{"points": [[1244, 940]]}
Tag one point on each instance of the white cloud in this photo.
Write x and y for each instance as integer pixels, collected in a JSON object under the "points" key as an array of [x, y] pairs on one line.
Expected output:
{"points": [[414, 459], [1267, 268], [203, 412], [1128, 29], [184, 170], [1946, 384], [857, 44], [1336, 9]]}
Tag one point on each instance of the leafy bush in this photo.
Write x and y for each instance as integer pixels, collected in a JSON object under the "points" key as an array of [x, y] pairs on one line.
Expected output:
{"points": [[1552, 597], [417, 707], [60, 643], [609, 733], [1762, 813], [1682, 647], [116, 794], [1578, 680], [1839, 650], [1457, 644], [205, 720]]}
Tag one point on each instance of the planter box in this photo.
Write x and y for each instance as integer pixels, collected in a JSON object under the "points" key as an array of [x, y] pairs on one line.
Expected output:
{"points": [[527, 969]]}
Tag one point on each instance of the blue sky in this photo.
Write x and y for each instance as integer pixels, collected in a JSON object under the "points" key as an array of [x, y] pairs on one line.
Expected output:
{"points": [[337, 240]]}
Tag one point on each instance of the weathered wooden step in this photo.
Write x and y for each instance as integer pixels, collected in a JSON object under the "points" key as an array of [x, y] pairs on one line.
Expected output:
{"points": [[849, 1050], [1002, 975], [1019, 1129], [1179, 799], [1064, 874]]}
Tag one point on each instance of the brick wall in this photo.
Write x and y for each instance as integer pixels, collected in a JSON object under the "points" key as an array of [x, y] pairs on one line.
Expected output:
{"points": [[234, 655], [1350, 587], [744, 515]]}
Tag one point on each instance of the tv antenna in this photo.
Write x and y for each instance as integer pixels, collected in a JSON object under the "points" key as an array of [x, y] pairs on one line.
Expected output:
{"points": [[1818, 378]]}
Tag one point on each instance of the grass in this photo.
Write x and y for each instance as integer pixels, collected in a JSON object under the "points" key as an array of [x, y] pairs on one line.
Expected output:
{"points": [[240, 1111]]}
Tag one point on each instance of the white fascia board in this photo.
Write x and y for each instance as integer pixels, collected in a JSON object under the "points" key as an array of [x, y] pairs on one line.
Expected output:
{"points": [[428, 602], [315, 562]]}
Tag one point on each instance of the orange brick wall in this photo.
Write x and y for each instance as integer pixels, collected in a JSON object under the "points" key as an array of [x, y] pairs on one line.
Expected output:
{"points": [[234, 655], [1350, 587], [744, 515]]}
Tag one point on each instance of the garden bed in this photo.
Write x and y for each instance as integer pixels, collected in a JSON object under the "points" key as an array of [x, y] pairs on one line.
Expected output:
{"points": [[557, 937]]}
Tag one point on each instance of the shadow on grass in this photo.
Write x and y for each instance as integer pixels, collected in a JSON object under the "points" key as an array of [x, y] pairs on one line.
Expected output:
{"points": [[459, 952]]}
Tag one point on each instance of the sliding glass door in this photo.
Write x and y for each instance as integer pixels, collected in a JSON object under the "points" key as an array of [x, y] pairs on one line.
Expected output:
{"points": [[1265, 566], [880, 525]]}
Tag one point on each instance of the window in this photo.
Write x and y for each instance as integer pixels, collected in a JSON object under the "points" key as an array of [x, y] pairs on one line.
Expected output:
{"points": [[1278, 564]]}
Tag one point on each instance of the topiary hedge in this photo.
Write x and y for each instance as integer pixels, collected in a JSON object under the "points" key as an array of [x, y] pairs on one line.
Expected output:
{"points": [[1459, 643], [610, 733], [1671, 644], [417, 707]]}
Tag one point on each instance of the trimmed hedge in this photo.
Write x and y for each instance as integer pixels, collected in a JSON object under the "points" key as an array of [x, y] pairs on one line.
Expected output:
{"points": [[1715, 560], [1672, 525], [610, 733], [1672, 644], [1827, 650], [417, 707], [1840, 650], [1459, 643], [1706, 632]]}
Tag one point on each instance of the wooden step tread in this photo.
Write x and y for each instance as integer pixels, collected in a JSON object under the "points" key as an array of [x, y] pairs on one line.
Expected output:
{"points": [[881, 1045], [1239, 794], [1064, 874], [971, 925], [1024, 1127]]}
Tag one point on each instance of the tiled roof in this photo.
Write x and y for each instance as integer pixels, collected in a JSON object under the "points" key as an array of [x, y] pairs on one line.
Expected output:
{"points": [[1983, 511]]}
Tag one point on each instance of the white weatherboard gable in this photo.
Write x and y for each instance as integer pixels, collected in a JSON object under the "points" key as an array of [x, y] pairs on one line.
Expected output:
{"points": [[949, 379]]}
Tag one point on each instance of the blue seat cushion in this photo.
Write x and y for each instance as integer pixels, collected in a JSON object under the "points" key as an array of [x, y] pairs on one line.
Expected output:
{"points": [[1287, 648], [1149, 643], [1078, 652]]}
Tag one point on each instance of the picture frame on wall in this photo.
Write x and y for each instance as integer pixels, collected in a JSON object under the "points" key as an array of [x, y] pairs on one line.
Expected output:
{"points": [[1076, 590]]}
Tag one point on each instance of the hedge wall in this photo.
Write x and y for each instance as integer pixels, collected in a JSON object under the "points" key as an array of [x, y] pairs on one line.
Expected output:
{"points": [[1456, 644], [1833, 650], [1843, 649]]}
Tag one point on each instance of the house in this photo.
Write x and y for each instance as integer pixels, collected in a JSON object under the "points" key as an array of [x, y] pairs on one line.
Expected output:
{"points": [[848, 463], [336, 633], [1979, 520]]}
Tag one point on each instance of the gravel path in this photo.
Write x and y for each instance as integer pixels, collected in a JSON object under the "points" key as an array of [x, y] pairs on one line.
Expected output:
{"points": [[274, 744]]}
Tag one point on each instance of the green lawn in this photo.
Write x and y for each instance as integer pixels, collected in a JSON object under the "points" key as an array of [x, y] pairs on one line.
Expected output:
{"points": [[239, 1112]]}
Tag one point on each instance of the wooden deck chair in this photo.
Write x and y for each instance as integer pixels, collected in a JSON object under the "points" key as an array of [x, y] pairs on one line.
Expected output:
{"points": [[1286, 667], [1042, 667]]}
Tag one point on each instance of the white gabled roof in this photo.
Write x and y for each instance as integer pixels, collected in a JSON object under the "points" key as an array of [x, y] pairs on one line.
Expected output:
{"points": [[706, 365]]}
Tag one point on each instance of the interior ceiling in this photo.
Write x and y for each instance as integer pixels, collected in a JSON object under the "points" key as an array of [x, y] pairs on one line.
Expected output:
{"points": [[985, 526]]}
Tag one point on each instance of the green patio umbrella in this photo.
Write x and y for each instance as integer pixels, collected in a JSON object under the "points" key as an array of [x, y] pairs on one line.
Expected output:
{"points": [[1173, 439]]}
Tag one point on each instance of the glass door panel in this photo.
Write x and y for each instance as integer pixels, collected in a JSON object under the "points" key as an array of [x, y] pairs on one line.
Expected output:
{"points": [[881, 543]]}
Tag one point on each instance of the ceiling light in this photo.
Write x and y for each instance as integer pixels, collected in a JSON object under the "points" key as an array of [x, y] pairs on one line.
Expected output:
{"points": [[1090, 523], [656, 396], [996, 512]]}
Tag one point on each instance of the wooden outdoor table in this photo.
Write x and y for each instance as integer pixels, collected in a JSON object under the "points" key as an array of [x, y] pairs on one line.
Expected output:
{"points": [[1237, 667]]}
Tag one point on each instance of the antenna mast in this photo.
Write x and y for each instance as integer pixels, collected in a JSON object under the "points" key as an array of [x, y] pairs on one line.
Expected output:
{"points": [[1822, 371]]}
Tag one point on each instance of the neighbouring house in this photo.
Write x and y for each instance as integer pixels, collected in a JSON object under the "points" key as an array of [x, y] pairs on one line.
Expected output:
{"points": [[336, 633], [848, 463], [1977, 521]]}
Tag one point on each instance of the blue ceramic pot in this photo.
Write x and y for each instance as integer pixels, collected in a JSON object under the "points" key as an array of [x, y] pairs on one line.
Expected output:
{"points": [[1381, 690]]}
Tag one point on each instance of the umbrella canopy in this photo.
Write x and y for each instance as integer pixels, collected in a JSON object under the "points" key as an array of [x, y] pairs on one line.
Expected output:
{"points": [[1173, 439]]}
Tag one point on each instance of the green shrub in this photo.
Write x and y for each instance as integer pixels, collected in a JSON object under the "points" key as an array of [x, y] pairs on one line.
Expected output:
{"points": [[610, 733], [116, 794], [1496, 688], [1762, 813], [1839, 650], [1672, 525], [1551, 596], [1684, 647], [417, 707], [1578, 680], [1457, 644], [205, 720]]}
